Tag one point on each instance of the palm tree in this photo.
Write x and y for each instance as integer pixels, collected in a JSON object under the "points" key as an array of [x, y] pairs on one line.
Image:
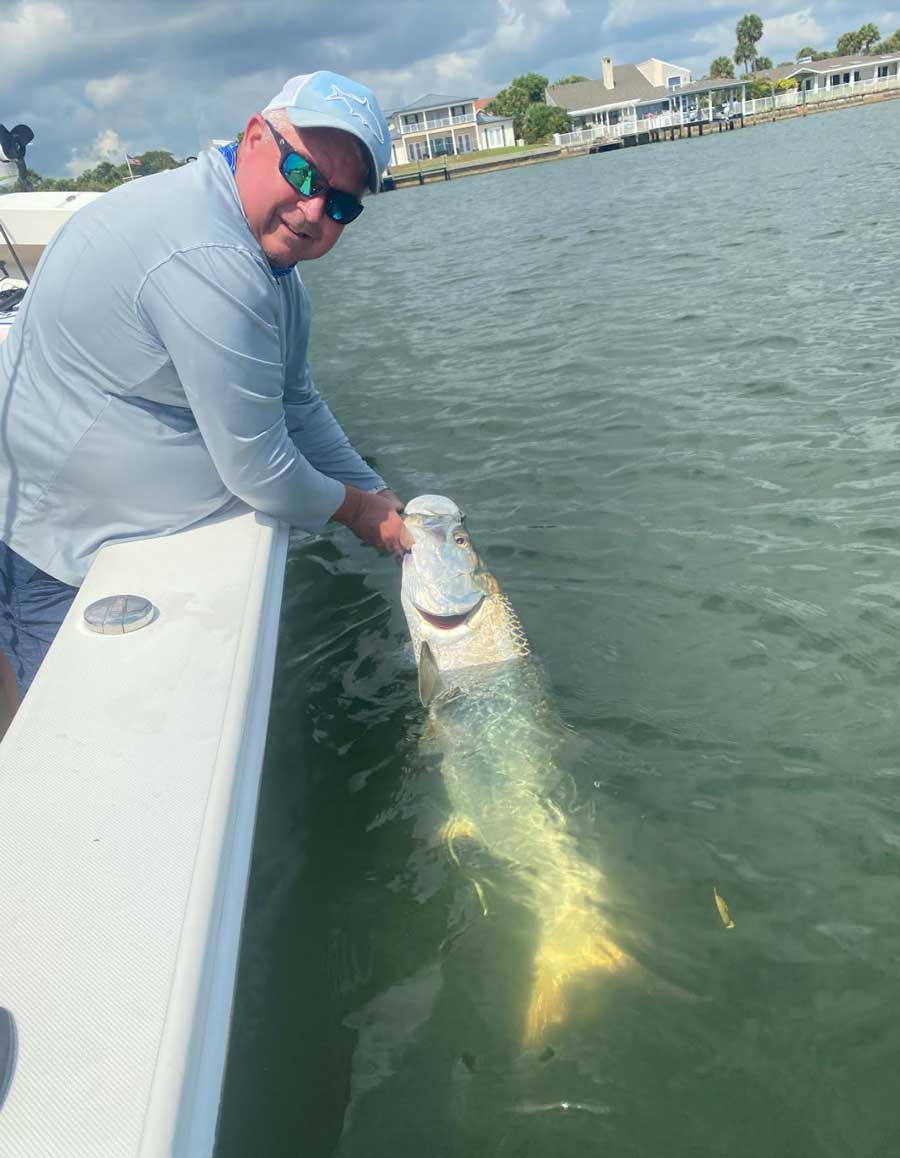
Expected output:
{"points": [[868, 36], [849, 44], [749, 30]]}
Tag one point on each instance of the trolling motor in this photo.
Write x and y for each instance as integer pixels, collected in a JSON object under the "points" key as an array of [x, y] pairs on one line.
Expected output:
{"points": [[13, 143]]}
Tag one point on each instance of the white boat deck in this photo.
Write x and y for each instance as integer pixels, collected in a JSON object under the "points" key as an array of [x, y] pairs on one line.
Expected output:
{"points": [[31, 219], [128, 789]]}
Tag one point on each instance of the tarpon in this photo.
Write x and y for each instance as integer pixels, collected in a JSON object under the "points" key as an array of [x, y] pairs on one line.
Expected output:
{"points": [[495, 733]]}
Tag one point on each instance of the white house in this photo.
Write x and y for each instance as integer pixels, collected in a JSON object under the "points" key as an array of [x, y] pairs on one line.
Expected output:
{"points": [[438, 126], [621, 89], [627, 92], [836, 71]]}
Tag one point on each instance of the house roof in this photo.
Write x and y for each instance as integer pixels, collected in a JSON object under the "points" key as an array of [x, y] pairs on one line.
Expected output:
{"points": [[630, 85], [830, 64], [432, 100]]}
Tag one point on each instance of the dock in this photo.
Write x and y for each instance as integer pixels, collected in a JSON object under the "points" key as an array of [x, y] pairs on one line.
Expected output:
{"points": [[675, 131], [437, 170]]}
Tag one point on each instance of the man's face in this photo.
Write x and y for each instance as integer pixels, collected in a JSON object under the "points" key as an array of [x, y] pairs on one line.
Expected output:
{"points": [[288, 227]]}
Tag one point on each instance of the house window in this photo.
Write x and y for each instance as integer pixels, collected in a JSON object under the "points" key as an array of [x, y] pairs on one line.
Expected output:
{"points": [[416, 150], [673, 82], [441, 146], [464, 143], [458, 111], [836, 80], [856, 77], [846, 78], [410, 123], [882, 71]]}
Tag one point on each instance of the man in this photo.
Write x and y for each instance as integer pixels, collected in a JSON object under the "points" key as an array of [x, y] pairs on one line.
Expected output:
{"points": [[157, 372]]}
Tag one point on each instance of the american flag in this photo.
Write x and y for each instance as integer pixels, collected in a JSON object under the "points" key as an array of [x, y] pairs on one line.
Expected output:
{"points": [[132, 160]]}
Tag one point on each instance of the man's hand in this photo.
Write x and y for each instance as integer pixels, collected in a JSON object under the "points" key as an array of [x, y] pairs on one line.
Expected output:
{"points": [[375, 519]]}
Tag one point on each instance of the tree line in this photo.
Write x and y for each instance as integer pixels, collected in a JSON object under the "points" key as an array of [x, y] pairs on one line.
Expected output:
{"points": [[104, 176], [749, 31]]}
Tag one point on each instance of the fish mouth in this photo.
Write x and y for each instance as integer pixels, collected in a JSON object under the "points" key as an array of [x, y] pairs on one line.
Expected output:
{"points": [[448, 622]]}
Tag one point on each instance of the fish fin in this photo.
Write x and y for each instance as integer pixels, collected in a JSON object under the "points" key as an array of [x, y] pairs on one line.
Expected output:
{"points": [[577, 944], [457, 828], [722, 906], [429, 675], [479, 891]]}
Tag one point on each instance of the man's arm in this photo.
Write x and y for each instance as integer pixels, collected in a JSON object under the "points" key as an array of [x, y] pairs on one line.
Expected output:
{"points": [[319, 437], [212, 313]]}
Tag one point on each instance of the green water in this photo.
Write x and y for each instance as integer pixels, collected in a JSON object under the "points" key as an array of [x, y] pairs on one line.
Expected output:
{"points": [[663, 383]]}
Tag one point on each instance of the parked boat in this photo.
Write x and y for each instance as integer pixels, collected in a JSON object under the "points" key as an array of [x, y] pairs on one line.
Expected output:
{"points": [[128, 788]]}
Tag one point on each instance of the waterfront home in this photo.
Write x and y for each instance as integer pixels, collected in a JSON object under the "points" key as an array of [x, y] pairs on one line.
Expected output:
{"points": [[835, 71], [438, 126], [620, 91], [632, 92]]}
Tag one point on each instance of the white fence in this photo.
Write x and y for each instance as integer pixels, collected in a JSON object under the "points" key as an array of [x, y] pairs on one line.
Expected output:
{"points": [[634, 124], [704, 113], [836, 92]]}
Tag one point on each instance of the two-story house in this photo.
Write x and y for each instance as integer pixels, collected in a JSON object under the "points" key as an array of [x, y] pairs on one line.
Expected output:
{"points": [[440, 126]]}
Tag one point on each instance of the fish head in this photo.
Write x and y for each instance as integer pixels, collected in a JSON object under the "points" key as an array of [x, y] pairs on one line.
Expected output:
{"points": [[453, 605]]}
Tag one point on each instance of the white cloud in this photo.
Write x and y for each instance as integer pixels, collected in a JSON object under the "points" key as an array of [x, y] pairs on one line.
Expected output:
{"points": [[454, 66], [512, 31], [783, 35], [33, 36], [555, 9], [106, 147], [108, 90], [624, 13], [716, 38], [521, 29]]}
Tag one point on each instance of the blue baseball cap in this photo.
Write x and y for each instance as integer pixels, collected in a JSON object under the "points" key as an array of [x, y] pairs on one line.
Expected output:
{"points": [[327, 100]]}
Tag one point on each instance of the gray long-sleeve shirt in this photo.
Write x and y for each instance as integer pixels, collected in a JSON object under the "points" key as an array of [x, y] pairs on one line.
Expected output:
{"points": [[156, 374]]}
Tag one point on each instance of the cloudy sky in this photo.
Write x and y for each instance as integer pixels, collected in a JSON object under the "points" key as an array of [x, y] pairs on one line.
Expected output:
{"points": [[94, 78]]}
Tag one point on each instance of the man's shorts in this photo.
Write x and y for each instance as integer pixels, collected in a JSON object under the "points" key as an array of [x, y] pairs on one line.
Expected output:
{"points": [[32, 606]]}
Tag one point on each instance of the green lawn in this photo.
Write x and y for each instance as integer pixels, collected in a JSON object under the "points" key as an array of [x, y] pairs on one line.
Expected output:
{"points": [[462, 159]]}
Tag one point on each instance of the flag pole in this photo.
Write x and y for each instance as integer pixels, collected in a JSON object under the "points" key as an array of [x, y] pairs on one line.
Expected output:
{"points": [[128, 163]]}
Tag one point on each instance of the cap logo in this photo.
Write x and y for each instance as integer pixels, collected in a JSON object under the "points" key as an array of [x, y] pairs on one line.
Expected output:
{"points": [[338, 94]]}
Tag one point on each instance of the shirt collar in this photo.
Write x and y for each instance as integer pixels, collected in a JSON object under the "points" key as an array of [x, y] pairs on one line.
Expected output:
{"points": [[229, 152]]}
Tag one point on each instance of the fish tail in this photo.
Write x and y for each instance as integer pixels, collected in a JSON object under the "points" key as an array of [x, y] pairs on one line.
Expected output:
{"points": [[577, 943]]}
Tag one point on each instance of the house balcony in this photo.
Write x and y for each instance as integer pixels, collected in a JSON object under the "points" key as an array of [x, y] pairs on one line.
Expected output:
{"points": [[441, 123]]}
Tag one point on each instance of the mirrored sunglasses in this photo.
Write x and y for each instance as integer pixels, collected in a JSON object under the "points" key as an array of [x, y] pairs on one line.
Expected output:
{"points": [[307, 181]]}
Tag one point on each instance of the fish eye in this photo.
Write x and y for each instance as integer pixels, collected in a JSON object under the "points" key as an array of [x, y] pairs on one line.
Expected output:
{"points": [[460, 539]]}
